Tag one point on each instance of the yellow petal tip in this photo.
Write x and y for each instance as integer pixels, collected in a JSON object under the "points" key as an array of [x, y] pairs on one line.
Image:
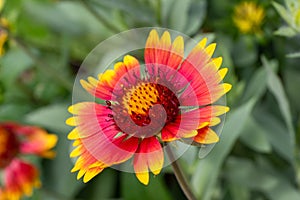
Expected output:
{"points": [[202, 43], [218, 62], [71, 121], [143, 177], [210, 49], [71, 109]]}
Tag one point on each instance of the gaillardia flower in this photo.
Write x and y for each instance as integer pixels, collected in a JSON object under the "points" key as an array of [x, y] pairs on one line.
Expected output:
{"points": [[19, 176], [248, 17], [167, 98]]}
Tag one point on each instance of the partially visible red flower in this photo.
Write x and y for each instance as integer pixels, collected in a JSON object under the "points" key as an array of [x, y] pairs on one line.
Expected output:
{"points": [[20, 177]]}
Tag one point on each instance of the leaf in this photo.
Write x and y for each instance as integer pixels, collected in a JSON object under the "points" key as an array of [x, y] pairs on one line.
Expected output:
{"points": [[208, 169], [284, 188], [250, 177], [276, 133], [245, 52], [13, 111], [276, 87], [256, 86], [13, 63], [285, 31], [166, 7], [52, 117], [283, 12], [51, 16], [258, 176], [178, 15], [196, 16], [185, 16], [292, 82], [255, 137], [92, 27], [138, 11], [238, 192], [293, 55]]}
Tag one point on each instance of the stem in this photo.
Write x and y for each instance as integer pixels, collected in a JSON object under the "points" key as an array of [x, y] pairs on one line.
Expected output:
{"points": [[180, 175], [102, 19]]}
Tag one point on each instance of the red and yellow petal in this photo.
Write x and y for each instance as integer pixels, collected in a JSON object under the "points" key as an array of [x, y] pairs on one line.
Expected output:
{"points": [[175, 131], [185, 125], [88, 119], [162, 52], [111, 149], [37, 141], [86, 165], [99, 143], [109, 81], [209, 113], [206, 136], [204, 76], [149, 156], [19, 179], [3, 195]]}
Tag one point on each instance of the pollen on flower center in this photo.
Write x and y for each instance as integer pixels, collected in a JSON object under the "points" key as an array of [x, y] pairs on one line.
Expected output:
{"points": [[145, 108], [9, 147], [140, 98]]}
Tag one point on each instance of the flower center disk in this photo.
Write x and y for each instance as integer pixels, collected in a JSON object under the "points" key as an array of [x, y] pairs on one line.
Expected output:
{"points": [[145, 108]]}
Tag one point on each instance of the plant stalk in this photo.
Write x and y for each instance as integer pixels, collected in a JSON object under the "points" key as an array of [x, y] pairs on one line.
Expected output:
{"points": [[180, 176]]}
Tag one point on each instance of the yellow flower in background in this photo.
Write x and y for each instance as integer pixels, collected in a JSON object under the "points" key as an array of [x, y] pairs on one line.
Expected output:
{"points": [[248, 17], [2, 2], [3, 38], [3, 33]]}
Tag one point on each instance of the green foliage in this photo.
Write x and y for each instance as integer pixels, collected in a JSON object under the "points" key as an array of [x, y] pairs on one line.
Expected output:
{"points": [[291, 15], [207, 170], [258, 156], [157, 190]]}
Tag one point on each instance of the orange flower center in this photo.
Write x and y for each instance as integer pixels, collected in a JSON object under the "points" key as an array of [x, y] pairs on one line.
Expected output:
{"points": [[139, 99], [138, 108], [9, 147]]}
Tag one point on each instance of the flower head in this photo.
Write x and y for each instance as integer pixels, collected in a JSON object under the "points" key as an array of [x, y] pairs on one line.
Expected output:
{"points": [[169, 98], [20, 177], [248, 17]]}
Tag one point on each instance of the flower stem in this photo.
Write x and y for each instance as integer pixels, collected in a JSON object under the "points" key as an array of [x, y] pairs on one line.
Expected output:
{"points": [[180, 175]]}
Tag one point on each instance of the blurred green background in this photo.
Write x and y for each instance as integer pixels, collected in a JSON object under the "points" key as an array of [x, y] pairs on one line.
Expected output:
{"points": [[258, 155]]}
